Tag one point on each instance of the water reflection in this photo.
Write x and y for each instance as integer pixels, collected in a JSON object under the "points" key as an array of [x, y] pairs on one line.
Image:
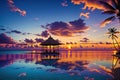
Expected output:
{"points": [[86, 64], [65, 56], [116, 73]]}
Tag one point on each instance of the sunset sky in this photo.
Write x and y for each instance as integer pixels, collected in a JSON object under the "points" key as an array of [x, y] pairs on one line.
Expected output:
{"points": [[66, 20]]}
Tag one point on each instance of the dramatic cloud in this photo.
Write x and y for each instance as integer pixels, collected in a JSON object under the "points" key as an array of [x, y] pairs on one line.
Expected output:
{"points": [[14, 8], [5, 39], [29, 40], [39, 40], [84, 40], [90, 4], [64, 4], [86, 15], [67, 28], [45, 33], [16, 31]]}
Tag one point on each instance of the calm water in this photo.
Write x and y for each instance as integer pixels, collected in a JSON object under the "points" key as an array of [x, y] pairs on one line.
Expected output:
{"points": [[68, 65]]}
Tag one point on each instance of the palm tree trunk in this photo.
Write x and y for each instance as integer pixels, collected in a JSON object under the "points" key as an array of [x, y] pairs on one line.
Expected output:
{"points": [[114, 44], [117, 43]]}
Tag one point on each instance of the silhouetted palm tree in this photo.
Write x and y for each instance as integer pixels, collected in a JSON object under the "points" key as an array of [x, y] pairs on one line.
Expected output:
{"points": [[112, 9], [112, 34]]}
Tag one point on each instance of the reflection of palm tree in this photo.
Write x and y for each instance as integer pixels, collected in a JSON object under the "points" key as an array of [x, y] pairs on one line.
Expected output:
{"points": [[116, 73], [112, 34], [112, 9]]}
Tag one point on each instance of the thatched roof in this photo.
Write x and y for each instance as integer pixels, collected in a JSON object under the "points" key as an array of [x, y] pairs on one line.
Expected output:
{"points": [[50, 41]]}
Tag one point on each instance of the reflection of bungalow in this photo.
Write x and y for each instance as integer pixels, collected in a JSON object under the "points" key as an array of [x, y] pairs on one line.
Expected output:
{"points": [[50, 56], [50, 46]]}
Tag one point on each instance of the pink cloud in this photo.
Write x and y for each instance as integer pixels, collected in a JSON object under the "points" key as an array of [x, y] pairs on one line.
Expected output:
{"points": [[16, 9], [86, 15]]}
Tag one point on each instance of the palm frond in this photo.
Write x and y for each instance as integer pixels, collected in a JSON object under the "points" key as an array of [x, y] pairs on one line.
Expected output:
{"points": [[115, 36], [108, 33], [107, 5], [114, 29], [109, 12], [117, 32], [109, 36], [108, 19], [115, 3], [118, 4]]}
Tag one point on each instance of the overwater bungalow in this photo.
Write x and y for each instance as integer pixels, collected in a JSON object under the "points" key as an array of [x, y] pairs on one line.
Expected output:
{"points": [[50, 46]]}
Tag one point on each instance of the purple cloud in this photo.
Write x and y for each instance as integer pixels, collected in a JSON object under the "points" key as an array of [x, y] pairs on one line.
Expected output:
{"points": [[6, 39], [45, 33], [16, 31], [29, 40], [39, 40], [67, 28]]}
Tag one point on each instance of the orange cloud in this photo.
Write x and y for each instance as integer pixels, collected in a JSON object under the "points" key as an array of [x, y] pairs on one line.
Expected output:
{"points": [[103, 24], [14, 8], [90, 4], [86, 15]]}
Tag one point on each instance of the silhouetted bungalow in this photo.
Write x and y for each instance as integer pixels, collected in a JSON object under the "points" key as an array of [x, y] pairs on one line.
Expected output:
{"points": [[50, 46]]}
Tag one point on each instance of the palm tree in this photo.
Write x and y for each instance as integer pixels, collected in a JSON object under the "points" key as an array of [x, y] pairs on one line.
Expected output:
{"points": [[112, 34], [112, 9]]}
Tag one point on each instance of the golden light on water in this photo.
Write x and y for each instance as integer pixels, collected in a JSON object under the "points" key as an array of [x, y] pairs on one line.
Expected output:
{"points": [[114, 52], [114, 61], [69, 47], [33, 51]]}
